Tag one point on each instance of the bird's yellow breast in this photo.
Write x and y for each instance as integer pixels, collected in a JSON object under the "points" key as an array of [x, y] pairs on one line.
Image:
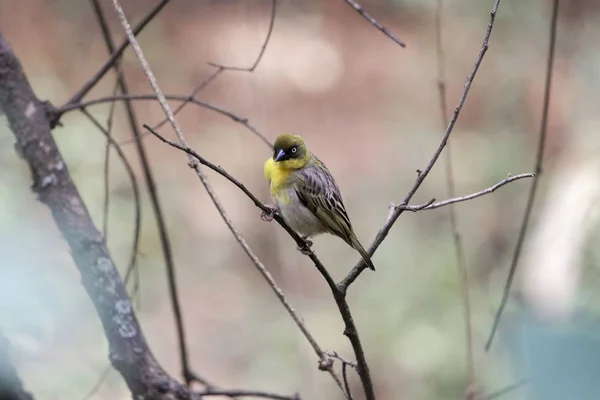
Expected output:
{"points": [[278, 177]]}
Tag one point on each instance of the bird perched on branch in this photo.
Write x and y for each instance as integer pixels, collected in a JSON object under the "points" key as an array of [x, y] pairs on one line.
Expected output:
{"points": [[306, 194]]}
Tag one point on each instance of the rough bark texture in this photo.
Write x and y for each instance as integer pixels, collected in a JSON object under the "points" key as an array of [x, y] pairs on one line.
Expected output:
{"points": [[28, 119]]}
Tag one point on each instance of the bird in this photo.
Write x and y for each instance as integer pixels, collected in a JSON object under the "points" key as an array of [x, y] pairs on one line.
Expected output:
{"points": [[306, 194]]}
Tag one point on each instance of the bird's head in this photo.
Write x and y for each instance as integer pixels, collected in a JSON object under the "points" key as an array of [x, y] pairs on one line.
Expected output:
{"points": [[291, 151]]}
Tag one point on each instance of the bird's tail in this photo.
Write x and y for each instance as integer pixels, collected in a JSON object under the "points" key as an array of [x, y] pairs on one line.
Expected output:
{"points": [[357, 246]]}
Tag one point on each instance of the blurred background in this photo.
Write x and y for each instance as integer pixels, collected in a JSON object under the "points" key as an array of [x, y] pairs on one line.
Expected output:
{"points": [[370, 110]]}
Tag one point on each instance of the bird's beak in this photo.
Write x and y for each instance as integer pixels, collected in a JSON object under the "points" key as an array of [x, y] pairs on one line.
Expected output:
{"points": [[279, 155]]}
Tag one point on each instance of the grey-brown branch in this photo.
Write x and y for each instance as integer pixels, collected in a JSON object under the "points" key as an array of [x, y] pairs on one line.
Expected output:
{"points": [[129, 351]]}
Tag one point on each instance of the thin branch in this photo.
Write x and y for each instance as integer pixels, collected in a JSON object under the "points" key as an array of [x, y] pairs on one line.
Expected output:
{"points": [[109, 124], [196, 166], [323, 357], [343, 360], [434, 205], [262, 48], [374, 22], [384, 231], [52, 183], [221, 68], [154, 97], [456, 238], [156, 206], [101, 379], [346, 384], [136, 193], [250, 393], [350, 328], [197, 90], [539, 158], [129, 352], [115, 55]]}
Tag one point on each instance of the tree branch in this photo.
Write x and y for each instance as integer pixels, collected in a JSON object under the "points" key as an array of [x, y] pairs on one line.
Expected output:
{"points": [[374, 22], [539, 158], [114, 56], [350, 328], [154, 199], [433, 205], [153, 97], [222, 68], [456, 237], [192, 162], [52, 183], [385, 229], [129, 352], [262, 48]]}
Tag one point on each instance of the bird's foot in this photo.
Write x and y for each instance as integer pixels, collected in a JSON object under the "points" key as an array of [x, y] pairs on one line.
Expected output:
{"points": [[268, 216], [306, 248]]}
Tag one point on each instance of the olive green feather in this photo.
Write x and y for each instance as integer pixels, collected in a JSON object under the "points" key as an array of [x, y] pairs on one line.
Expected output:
{"points": [[318, 191]]}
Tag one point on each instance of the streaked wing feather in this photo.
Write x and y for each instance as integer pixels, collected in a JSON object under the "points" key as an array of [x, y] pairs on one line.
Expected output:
{"points": [[318, 191]]}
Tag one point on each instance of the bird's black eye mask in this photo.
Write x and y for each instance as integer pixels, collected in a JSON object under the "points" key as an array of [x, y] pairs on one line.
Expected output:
{"points": [[286, 154]]}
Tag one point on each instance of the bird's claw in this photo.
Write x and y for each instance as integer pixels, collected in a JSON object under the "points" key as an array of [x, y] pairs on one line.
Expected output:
{"points": [[306, 248], [268, 216]]}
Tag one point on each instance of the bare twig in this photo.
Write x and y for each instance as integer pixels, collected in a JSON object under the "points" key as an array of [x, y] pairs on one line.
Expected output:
{"points": [[197, 90], [323, 357], [385, 229], [343, 360], [52, 182], [99, 382], [262, 48], [350, 328], [432, 205], [115, 55], [134, 187], [221, 68], [109, 124], [250, 393], [456, 238], [156, 206], [346, 384], [196, 166], [129, 352], [539, 158], [374, 22], [154, 97]]}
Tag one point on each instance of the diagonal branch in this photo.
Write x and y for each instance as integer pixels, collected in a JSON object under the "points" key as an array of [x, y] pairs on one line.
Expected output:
{"points": [[193, 163], [456, 237], [262, 48], [385, 229], [222, 68], [154, 199], [129, 351], [374, 22], [115, 56], [153, 97], [539, 158], [433, 205], [350, 328], [135, 188], [52, 183], [192, 95]]}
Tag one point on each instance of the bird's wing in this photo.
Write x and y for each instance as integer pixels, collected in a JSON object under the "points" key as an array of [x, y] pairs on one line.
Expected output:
{"points": [[318, 191]]}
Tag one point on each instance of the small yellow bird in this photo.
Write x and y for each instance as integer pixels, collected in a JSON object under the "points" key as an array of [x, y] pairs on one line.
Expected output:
{"points": [[306, 194]]}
